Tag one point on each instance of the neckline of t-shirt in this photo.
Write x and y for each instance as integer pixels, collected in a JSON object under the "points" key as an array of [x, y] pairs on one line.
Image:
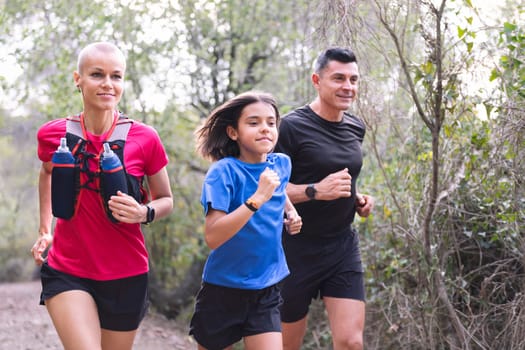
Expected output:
{"points": [[323, 120], [254, 165]]}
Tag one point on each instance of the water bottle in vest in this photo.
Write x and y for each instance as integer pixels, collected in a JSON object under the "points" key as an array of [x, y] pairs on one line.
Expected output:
{"points": [[63, 190], [112, 177]]}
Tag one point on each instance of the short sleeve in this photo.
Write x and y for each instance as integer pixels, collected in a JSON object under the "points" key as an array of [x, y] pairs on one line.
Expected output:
{"points": [[48, 137], [217, 189], [144, 153]]}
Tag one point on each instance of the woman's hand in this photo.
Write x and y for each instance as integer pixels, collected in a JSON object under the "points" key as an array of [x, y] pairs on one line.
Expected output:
{"points": [[43, 241], [126, 209]]}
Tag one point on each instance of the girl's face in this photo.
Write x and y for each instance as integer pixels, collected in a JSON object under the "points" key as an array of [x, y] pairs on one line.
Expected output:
{"points": [[256, 132], [101, 80]]}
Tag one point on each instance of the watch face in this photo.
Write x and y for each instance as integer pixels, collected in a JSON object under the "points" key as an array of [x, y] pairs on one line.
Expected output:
{"points": [[253, 203], [310, 191], [152, 214]]}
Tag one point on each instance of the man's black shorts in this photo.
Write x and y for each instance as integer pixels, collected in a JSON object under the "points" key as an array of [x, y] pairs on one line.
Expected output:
{"points": [[121, 303], [320, 267], [223, 316]]}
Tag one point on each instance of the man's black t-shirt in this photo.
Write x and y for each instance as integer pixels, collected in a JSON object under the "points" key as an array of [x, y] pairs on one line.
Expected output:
{"points": [[318, 148]]}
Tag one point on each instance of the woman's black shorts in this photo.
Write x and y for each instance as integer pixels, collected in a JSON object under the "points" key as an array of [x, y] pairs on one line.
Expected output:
{"points": [[121, 303]]}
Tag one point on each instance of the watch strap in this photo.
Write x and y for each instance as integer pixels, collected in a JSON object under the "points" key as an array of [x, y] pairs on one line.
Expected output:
{"points": [[150, 214], [252, 205]]}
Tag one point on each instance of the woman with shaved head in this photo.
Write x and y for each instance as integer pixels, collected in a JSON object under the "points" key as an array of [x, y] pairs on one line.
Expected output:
{"points": [[94, 276]]}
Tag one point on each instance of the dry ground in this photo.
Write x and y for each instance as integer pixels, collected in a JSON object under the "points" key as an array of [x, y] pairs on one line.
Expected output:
{"points": [[25, 325]]}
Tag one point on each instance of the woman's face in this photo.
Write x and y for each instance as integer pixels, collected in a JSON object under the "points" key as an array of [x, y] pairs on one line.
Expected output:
{"points": [[101, 79]]}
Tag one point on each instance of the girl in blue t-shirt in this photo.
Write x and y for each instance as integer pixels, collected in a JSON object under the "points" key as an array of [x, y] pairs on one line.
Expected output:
{"points": [[245, 203]]}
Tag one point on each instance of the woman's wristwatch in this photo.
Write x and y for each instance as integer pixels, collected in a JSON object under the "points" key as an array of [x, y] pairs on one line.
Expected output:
{"points": [[150, 215]]}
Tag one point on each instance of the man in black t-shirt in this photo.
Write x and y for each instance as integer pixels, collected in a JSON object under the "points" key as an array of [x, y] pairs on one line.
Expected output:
{"points": [[324, 144]]}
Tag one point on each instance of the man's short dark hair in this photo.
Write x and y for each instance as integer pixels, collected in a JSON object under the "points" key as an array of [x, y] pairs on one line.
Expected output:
{"points": [[338, 54]]}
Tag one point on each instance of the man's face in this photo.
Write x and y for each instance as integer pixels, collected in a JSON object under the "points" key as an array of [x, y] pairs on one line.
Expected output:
{"points": [[337, 85]]}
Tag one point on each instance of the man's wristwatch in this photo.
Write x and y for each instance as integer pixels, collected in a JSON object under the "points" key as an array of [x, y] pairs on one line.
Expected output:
{"points": [[310, 191], [150, 215]]}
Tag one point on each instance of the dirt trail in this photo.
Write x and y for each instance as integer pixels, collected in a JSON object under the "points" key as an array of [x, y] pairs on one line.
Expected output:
{"points": [[25, 325]]}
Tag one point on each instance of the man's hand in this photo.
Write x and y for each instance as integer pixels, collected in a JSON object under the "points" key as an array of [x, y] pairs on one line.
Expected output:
{"points": [[335, 185], [364, 205]]}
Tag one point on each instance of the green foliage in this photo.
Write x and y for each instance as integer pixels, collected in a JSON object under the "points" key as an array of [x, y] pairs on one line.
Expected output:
{"points": [[477, 202], [512, 70], [18, 200], [479, 220], [177, 241], [236, 45]]}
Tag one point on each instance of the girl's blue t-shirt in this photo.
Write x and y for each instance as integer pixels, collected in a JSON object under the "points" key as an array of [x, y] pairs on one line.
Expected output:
{"points": [[253, 258]]}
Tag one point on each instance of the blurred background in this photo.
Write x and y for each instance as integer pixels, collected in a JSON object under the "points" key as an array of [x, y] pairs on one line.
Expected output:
{"points": [[442, 93]]}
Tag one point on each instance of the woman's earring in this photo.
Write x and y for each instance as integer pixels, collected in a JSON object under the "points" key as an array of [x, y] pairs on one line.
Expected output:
{"points": [[78, 88]]}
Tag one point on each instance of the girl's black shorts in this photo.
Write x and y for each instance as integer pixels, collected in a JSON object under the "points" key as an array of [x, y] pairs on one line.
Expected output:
{"points": [[223, 315], [121, 303]]}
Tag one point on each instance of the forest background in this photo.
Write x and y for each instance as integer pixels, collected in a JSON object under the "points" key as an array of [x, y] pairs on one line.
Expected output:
{"points": [[442, 94]]}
